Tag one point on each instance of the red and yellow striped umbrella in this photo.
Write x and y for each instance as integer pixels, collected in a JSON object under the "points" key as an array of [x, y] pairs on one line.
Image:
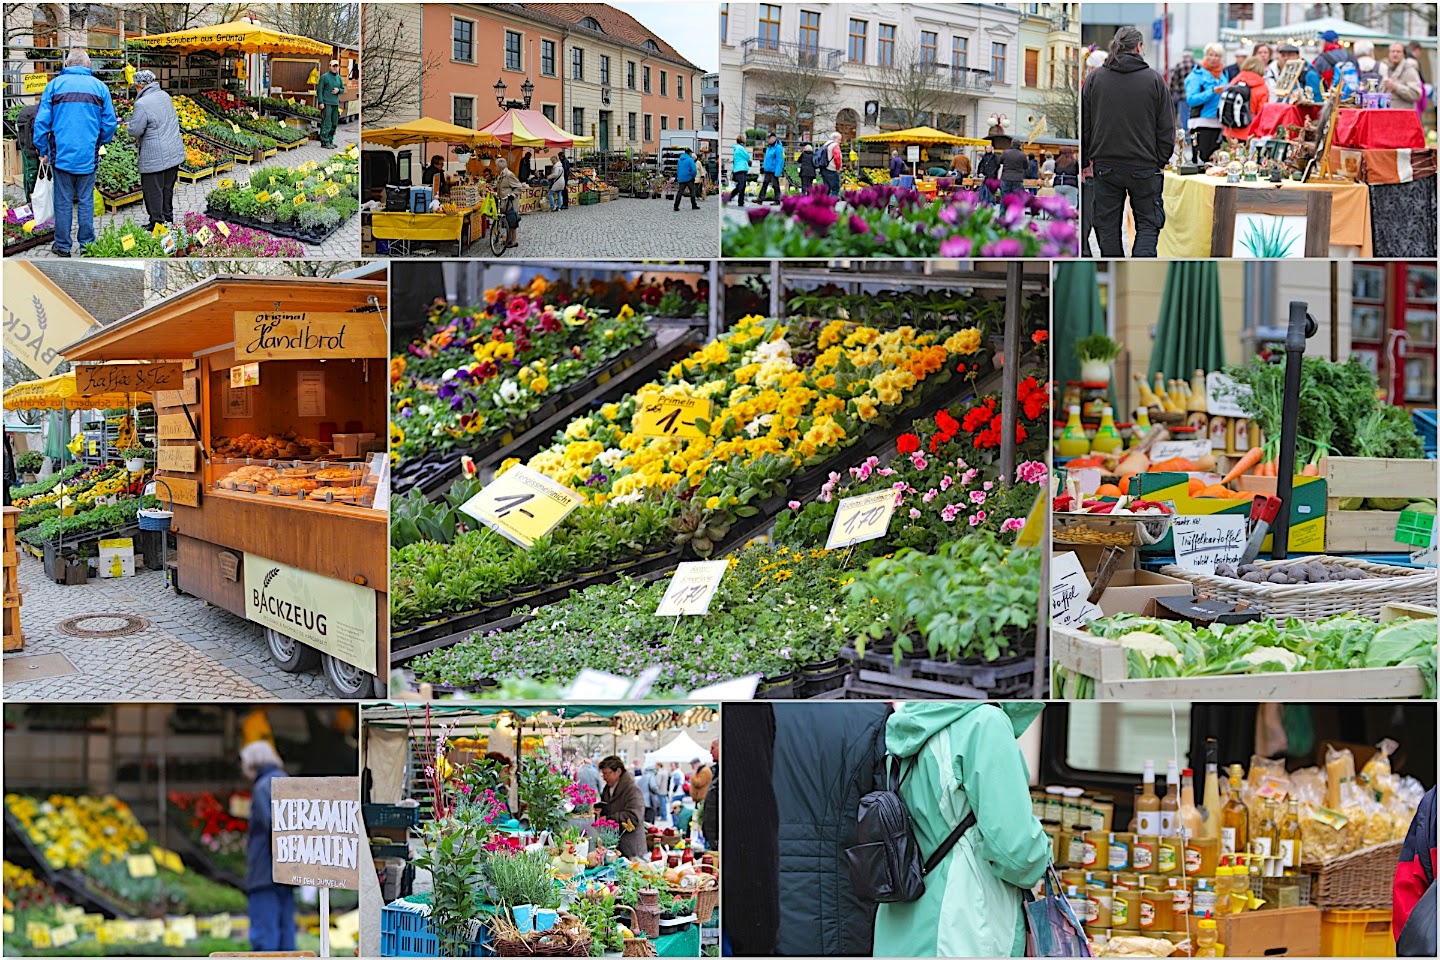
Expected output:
{"points": [[531, 128]]}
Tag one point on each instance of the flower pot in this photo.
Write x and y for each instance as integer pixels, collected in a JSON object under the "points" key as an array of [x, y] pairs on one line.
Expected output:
{"points": [[135, 464], [545, 919], [524, 914], [1096, 371]]}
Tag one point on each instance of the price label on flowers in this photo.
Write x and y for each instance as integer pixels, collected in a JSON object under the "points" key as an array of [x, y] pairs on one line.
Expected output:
{"points": [[299, 199], [692, 588], [140, 865], [671, 417], [225, 183], [223, 227], [127, 241], [332, 190], [63, 934], [857, 519], [522, 505], [264, 196], [203, 235]]}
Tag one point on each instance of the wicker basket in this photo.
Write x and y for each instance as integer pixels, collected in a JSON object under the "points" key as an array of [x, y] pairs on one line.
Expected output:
{"points": [[1357, 881], [639, 947], [1316, 601], [707, 897]]}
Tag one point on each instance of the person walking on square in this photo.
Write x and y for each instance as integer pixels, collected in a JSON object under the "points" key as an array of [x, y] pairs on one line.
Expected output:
{"points": [[328, 88], [739, 169], [771, 166], [685, 178], [807, 167], [76, 117], [156, 130], [834, 161], [1127, 134]]}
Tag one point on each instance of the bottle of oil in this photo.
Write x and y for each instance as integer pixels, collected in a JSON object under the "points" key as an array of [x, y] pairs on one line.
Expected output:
{"points": [[1197, 393], [1170, 803], [1234, 818], [1147, 806], [1265, 841], [1107, 438], [1211, 813], [1073, 442], [1290, 840]]}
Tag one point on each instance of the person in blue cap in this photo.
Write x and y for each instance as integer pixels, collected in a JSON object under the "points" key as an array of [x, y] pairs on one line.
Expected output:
{"points": [[1332, 54]]}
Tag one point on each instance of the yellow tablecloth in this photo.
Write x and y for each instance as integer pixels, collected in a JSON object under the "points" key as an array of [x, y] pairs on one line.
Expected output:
{"points": [[418, 226], [1190, 214]]}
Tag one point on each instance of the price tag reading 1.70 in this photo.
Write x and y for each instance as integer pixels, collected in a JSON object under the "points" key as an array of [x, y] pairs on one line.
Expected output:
{"points": [[522, 505], [692, 588], [857, 519], [671, 416]]}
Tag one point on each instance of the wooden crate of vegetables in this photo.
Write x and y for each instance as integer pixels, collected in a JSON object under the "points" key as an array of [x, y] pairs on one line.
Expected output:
{"points": [[1135, 657], [1356, 521]]}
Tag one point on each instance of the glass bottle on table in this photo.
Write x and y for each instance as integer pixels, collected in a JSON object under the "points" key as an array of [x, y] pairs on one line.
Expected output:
{"points": [[1234, 818], [1147, 805], [1211, 813], [1170, 803], [1290, 840], [1073, 442], [1265, 841]]}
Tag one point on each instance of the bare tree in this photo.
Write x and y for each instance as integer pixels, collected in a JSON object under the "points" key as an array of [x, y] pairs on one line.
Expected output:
{"points": [[170, 17], [337, 23], [393, 65], [180, 275], [793, 93], [1061, 106], [1377, 14], [916, 89]]}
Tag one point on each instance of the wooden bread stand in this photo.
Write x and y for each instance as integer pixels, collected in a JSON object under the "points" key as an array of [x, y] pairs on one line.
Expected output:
{"points": [[14, 636]]}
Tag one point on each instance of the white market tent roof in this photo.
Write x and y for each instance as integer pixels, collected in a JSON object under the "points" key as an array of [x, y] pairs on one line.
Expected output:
{"points": [[682, 749], [1307, 31]]}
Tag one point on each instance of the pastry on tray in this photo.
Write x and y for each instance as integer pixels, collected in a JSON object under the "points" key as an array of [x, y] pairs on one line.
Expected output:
{"points": [[289, 486]]}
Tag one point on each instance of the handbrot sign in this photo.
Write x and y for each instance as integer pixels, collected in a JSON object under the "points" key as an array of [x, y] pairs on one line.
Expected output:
{"points": [[316, 832], [308, 336]]}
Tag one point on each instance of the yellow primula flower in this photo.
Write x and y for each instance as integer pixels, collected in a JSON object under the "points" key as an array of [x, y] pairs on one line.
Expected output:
{"points": [[506, 464], [965, 342], [866, 408]]}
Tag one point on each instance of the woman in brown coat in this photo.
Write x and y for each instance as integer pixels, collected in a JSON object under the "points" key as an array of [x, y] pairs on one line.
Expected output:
{"points": [[623, 802]]}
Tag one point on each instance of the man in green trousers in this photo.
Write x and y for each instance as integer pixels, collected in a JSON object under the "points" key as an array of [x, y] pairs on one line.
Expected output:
{"points": [[327, 97]]}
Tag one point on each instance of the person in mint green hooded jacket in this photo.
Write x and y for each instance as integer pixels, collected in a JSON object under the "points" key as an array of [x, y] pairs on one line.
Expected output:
{"points": [[965, 757]]}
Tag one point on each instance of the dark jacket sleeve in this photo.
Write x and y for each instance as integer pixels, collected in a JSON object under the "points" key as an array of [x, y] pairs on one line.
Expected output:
{"points": [[1087, 115], [1416, 869], [1164, 122]]}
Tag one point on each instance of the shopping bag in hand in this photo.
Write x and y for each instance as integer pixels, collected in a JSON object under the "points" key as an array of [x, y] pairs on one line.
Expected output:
{"points": [[42, 198], [1051, 927]]}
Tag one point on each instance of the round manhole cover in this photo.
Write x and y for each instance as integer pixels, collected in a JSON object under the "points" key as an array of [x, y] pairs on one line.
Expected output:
{"points": [[102, 625]]}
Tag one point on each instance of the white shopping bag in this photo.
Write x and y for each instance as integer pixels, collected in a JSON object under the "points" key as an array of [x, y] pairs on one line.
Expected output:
{"points": [[42, 199]]}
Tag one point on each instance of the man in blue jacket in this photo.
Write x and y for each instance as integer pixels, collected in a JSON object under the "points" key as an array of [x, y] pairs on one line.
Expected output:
{"points": [[76, 116], [685, 179], [272, 905], [772, 166]]}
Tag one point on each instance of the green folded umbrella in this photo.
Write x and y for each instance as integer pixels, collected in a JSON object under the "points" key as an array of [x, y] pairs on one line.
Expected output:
{"points": [[1190, 334], [1078, 314]]}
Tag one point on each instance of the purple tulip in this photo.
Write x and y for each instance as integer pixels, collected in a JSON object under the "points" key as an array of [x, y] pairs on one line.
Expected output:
{"points": [[957, 247], [1004, 247]]}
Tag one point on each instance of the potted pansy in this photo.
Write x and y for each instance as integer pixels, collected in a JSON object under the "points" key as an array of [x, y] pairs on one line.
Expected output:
{"points": [[137, 458]]}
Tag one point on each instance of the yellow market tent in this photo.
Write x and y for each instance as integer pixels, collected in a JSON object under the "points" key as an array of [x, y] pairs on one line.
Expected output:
{"points": [[58, 393], [425, 130], [924, 135], [240, 35]]}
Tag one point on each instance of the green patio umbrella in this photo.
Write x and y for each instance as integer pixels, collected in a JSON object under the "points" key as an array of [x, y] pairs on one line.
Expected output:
{"points": [[57, 435], [1190, 333], [1076, 296]]}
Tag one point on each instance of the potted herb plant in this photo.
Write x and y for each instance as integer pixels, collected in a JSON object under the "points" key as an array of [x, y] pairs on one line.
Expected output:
{"points": [[136, 458], [1097, 354], [29, 464]]}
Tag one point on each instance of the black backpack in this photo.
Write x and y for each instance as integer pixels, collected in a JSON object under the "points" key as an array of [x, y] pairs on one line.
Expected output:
{"points": [[885, 862], [822, 158], [1235, 105]]}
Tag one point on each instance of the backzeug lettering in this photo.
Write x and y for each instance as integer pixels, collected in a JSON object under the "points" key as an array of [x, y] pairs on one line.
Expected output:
{"points": [[287, 611], [302, 339]]}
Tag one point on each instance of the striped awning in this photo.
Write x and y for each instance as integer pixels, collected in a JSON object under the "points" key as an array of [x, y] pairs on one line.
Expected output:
{"points": [[531, 128]]}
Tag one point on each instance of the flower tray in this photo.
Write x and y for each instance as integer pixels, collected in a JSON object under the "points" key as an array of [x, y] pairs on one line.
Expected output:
{"points": [[432, 472], [229, 151], [196, 855], [277, 229], [116, 201], [194, 176], [878, 675], [27, 243], [224, 163], [411, 641]]}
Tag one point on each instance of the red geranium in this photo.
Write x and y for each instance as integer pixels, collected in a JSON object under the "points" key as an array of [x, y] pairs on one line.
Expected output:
{"points": [[948, 425], [907, 443], [1039, 337]]}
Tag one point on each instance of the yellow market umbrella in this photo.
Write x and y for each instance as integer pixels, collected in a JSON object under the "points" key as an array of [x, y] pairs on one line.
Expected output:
{"points": [[240, 35], [58, 393], [423, 131], [923, 135]]}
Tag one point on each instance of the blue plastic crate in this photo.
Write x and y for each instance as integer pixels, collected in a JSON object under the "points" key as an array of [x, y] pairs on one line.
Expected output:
{"points": [[405, 933], [1425, 426], [387, 816]]}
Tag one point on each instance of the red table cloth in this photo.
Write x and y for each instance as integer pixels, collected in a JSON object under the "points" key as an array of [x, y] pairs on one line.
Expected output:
{"points": [[1379, 130], [1274, 115]]}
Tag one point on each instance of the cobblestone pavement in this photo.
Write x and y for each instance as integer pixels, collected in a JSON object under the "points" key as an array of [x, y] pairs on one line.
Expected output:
{"points": [[622, 229], [344, 244], [190, 651]]}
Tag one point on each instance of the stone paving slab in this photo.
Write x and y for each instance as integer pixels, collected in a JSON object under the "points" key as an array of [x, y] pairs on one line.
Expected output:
{"points": [[190, 651], [343, 244]]}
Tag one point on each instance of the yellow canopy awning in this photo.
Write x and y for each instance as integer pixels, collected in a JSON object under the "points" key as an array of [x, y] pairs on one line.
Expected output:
{"points": [[924, 135], [240, 35], [58, 393], [427, 130]]}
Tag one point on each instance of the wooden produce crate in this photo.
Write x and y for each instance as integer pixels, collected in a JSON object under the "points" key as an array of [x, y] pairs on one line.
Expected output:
{"points": [[14, 637], [1371, 531], [1291, 932], [1104, 661]]}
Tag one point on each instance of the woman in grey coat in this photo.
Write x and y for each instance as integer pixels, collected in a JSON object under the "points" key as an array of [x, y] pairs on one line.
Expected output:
{"points": [[156, 130]]}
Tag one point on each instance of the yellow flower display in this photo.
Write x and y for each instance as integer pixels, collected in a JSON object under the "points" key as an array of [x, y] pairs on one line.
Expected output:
{"points": [[965, 343], [71, 831], [540, 384]]}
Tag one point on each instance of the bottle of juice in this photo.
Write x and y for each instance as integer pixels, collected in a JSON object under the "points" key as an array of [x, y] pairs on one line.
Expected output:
{"points": [[1170, 803], [1073, 442], [1197, 393], [1147, 807], [1141, 428], [1211, 813], [1234, 818], [1107, 438], [1147, 396], [1191, 823]]}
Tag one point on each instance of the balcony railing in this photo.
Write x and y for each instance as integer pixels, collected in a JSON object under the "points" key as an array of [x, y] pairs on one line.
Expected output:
{"points": [[966, 79], [772, 54]]}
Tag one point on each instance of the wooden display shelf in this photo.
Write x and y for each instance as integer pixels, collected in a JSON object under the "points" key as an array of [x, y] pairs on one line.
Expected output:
{"points": [[14, 636]]}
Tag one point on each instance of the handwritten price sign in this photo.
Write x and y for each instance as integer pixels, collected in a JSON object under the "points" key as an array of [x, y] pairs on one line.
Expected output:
{"points": [[264, 195], [857, 519], [224, 228], [225, 183], [1201, 543], [671, 417], [140, 865], [692, 588], [522, 505]]}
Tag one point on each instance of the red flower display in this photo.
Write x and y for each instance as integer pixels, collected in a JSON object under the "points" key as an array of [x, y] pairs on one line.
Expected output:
{"points": [[907, 443]]}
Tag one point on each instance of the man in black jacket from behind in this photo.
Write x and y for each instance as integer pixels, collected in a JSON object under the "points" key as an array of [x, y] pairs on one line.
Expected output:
{"points": [[1128, 134]]}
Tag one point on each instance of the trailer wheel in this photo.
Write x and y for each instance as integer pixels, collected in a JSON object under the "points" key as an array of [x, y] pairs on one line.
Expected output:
{"points": [[349, 682], [290, 654]]}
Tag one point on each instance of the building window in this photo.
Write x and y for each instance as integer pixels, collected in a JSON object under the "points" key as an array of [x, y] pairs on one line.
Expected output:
{"points": [[577, 63], [1032, 67], [577, 121], [512, 50], [462, 111], [997, 62], [858, 30], [547, 58], [549, 110], [679, 123], [604, 70], [664, 123], [590, 23], [630, 74], [769, 35], [646, 80], [679, 87], [664, 83], [1274, 14], [724, 22], [886, 47], [929, 45], [630, 126], [960, 52], [462, 34], [648, 136], [810, 33]]}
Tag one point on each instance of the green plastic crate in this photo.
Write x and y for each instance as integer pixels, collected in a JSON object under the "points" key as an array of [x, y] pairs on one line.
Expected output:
{"points": [[1414, 528]]}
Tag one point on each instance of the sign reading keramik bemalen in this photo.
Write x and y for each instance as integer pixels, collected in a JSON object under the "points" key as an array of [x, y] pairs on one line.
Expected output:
{"points": [[333, 616], [317, 835], [308, 336], [40, 318]]}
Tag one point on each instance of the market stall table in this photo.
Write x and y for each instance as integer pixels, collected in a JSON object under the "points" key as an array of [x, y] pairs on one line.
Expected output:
{"points": [[1275, 115], [1190, 215], [1379, 130], [402, 230]]}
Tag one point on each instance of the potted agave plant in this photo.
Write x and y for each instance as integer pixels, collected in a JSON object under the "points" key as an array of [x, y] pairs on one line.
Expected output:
{"points": [[136, 458]]}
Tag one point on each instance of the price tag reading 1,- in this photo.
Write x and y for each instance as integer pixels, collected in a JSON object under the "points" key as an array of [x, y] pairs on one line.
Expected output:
{"points": [[692, 588], [522, 505], [671, 416], [857, 519]]}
